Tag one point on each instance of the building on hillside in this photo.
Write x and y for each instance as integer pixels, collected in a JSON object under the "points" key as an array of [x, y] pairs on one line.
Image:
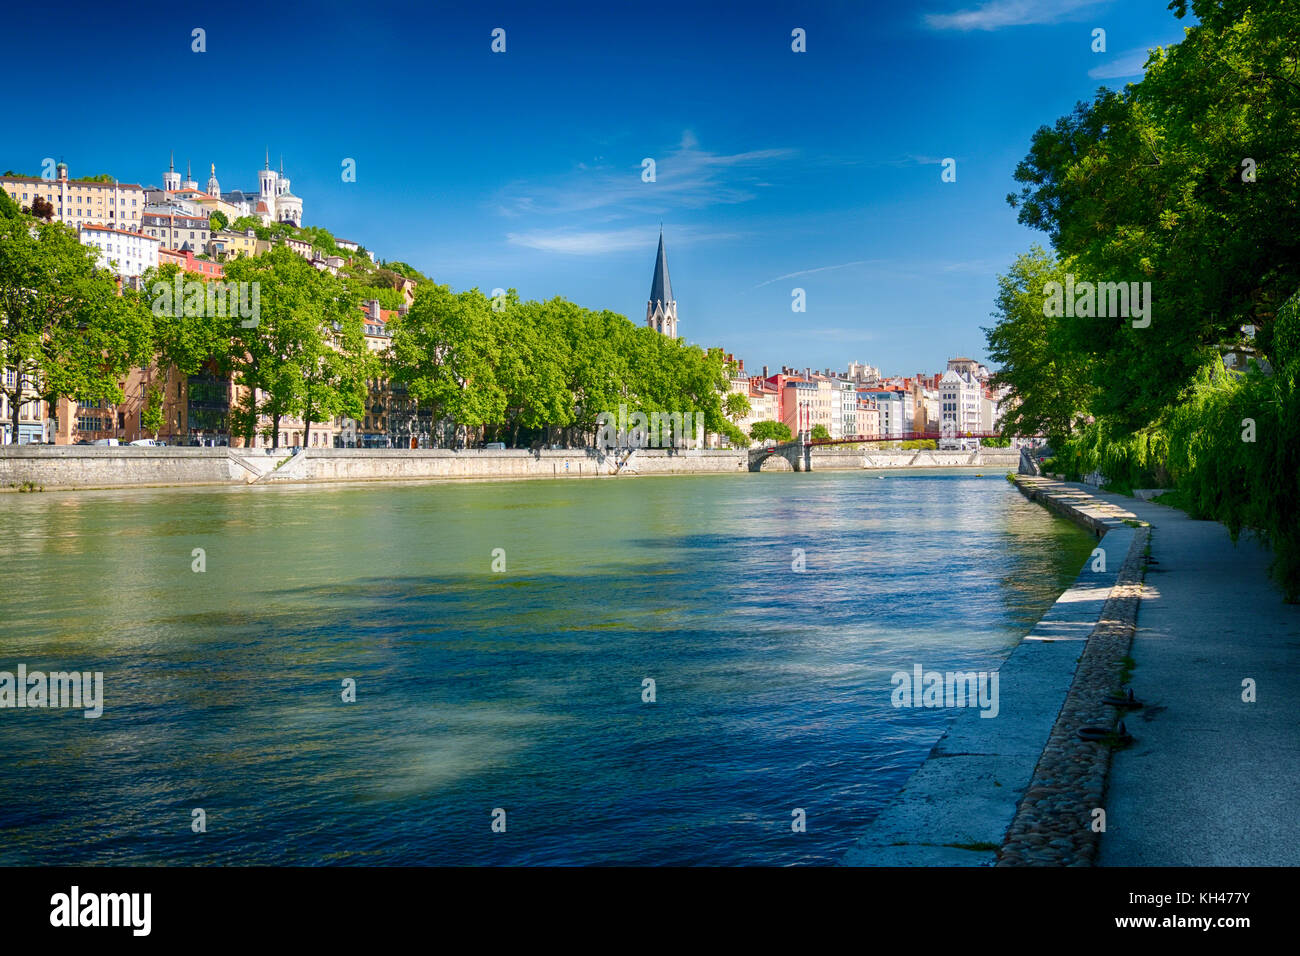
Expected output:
{"points": [[128, 254], [175, 229], [860, 374], [187, 261], [661, 309], [115, 204], [228, 244], [272, 202], [970, 367]]}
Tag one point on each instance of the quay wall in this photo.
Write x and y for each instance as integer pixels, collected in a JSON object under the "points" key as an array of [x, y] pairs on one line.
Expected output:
{"points": [[97, 466]]}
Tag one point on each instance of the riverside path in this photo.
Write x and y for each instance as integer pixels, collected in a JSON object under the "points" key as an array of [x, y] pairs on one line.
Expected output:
{"points": [[1211, 779]]}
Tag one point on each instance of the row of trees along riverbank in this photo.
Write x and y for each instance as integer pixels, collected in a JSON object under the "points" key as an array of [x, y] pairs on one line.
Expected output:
{"points": [[1189, 180], [509, 369]]}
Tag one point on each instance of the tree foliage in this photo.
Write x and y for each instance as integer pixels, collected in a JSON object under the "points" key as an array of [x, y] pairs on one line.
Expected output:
{"points": [[65, 331]]}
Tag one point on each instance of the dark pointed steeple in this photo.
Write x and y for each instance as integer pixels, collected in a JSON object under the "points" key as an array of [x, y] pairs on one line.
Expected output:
{"points": [[661, 288], [661, 310]]}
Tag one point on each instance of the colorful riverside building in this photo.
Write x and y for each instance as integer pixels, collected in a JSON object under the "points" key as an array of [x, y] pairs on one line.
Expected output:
{"points": [[119, 205]]}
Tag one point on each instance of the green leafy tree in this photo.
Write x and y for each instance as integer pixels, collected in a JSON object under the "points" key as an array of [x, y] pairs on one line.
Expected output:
{"points": [[820, 433], [1048, 379], [736, 406], [446, 352], [281, 357], [1152, 184], [151, 415], [64, 329], [218, 220], [770, 431]]}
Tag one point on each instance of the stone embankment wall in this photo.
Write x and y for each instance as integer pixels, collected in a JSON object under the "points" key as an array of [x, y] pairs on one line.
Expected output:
{"points": [[360, 464], [100, 466], [96, 466]]}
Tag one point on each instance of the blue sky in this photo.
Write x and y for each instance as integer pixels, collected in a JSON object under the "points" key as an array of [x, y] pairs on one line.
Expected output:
{"points": [[774, 169]]}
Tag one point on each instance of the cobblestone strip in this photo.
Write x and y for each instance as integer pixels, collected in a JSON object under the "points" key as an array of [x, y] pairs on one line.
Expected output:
{"points": [[1053, 825]]}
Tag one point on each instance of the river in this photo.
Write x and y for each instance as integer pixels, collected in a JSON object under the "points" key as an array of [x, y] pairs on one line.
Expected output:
{"points": [[518, 689]]}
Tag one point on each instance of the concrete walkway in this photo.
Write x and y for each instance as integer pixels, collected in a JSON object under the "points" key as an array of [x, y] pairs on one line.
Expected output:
{"points": [[1211, 780]]}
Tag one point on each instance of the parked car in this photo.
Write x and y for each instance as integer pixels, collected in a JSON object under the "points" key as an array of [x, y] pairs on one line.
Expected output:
{"points": [[495, 446], [106, 441], [147, 442]]}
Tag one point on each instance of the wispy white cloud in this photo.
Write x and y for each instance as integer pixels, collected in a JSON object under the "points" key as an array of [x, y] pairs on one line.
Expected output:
{"points": [[686, 177], [1128, 63], [600, 241], [996, 14], [806, 272]]}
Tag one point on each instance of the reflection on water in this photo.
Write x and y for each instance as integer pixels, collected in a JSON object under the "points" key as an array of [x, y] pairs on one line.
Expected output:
{"points": [[519, 690]]}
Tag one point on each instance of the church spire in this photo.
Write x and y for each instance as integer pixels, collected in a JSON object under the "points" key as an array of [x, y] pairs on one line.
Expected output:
{"points": [[661, 310], [268, 157], [661, 287]]}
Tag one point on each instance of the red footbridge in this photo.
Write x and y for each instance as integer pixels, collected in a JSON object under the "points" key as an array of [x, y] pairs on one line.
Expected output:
{"points": [[797, 452], [904, 436]]}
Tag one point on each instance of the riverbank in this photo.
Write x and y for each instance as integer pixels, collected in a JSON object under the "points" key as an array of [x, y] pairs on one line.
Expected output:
{"points": [[983, 778], [75, 467]]}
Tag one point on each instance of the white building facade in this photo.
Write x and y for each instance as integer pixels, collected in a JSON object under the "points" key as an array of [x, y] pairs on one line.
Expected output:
{"points": [[126, 253]]}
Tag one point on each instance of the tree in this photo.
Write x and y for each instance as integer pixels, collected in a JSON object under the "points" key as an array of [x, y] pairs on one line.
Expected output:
{"points": [[820, 433], [65, 330], [1187, 180], [770, 431], [445, 352], [41, 208], [336, 364], [281, 357], [217, 220], [1047, 377], [736, 406], [245, 223], [151, 415]]}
